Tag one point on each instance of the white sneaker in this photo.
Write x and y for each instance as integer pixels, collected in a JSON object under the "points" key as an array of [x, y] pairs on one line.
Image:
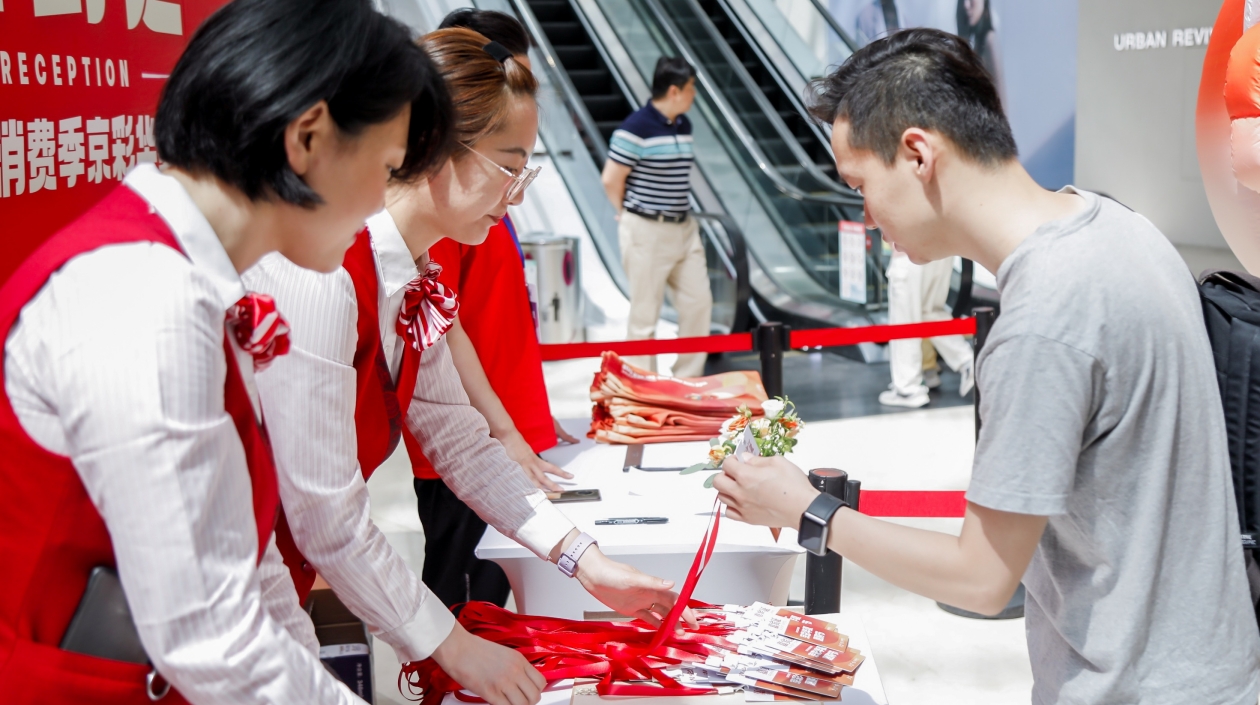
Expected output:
{"points": [[932, 378], [910, 401], [968, 381]]}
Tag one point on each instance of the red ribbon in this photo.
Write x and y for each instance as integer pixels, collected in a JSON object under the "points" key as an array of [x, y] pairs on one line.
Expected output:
{"points": [[618, 651], [259, 328], [428, 309]]}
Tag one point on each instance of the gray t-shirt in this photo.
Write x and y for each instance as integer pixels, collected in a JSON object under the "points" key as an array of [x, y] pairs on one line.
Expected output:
{"points": [[1101, 411]]}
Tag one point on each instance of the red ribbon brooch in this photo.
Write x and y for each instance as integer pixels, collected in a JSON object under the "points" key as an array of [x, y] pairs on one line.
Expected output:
{"points": [[428, 309], [259, 328], [630, 658]]}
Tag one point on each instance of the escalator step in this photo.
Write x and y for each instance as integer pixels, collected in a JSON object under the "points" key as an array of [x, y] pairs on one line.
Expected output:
{"points": [[565, 33], [551, 10], [591, 81], [607, 127], [606, 107], [578, 57]]}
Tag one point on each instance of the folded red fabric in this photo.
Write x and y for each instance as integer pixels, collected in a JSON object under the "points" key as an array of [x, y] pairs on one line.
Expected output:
{"points": [[633, 405]]}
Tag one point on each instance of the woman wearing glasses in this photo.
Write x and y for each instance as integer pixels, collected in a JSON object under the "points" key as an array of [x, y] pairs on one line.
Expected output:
{"points": [[369, 364], [494, 344]]}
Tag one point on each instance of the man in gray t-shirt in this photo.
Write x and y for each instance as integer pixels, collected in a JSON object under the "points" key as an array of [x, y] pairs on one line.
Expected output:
{"points": [[1106, 418], [1101, 476]]}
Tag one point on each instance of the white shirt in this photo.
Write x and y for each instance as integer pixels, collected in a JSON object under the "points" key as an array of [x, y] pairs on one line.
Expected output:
{"points": [[118, 364], [310, 397]]}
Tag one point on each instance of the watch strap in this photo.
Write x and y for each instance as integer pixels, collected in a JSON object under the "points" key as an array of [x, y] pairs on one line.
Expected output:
{"points": [[568, 561], [816, 521]]}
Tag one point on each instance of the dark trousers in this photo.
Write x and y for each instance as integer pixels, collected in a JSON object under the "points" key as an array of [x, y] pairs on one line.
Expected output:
{"points": [[451, 533]]}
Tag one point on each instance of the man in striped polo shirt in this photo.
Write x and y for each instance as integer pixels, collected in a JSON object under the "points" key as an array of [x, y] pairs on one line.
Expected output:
{"points": [[648, 177]]}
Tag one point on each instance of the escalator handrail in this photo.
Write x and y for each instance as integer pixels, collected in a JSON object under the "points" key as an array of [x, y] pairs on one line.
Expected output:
{"points": [[793, 144], [737, 126], [835, 25], [737, 15], [738, 259], [560, 77]]}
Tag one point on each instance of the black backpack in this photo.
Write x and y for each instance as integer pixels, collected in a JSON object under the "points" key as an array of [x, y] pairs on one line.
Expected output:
{"points": [[1231, 310]]}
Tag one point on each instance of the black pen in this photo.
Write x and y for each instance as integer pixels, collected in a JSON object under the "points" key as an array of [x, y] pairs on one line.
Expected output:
{"points": [[618, 521]]}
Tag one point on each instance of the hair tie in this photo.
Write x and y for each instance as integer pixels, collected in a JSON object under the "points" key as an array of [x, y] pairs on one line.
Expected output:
{"points": [[497, 51]]}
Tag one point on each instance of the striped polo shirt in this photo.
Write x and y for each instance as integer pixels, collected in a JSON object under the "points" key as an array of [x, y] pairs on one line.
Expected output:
{"points": [[659, 155]]}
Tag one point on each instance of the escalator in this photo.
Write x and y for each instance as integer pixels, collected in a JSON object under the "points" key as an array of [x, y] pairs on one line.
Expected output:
{"points": [[763, 168], [783, 98], [588, 70]]}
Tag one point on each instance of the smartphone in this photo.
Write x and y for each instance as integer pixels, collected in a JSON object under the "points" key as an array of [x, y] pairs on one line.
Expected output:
{"points": [[574, 496], [102, 625]]}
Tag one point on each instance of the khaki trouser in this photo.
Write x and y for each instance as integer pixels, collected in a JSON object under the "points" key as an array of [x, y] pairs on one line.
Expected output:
{"points": [[917, 293], [657, 255]]}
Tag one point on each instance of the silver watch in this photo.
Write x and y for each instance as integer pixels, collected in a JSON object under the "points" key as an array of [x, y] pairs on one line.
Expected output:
{"points": [[568, 562]]}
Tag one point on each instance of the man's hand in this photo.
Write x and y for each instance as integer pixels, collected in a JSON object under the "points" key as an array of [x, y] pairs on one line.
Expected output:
{"points": [[537, 468], [614, 178], [496, 673], [627, 590], [764, 491], [563, 434]]}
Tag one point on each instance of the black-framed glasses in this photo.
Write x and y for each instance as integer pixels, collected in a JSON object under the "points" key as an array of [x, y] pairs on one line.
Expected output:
{"points": [[519, 182]]}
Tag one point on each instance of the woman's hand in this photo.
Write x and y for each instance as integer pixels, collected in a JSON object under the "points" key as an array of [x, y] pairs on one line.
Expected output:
{"points": [[497, 674], [537, 468], [764, 491], [627, 590], [561, 433]]}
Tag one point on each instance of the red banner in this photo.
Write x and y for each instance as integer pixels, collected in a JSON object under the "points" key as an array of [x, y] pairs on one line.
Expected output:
{"points": [[79, 86]]}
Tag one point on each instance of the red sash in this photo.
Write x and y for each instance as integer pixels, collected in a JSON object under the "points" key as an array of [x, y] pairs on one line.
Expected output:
{"points": [[380, 412], [51, 535]]}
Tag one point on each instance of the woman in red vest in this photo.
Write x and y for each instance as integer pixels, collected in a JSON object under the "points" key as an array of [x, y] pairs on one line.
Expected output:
{"points": [[133, 451], [370, 365], [494, 345]]}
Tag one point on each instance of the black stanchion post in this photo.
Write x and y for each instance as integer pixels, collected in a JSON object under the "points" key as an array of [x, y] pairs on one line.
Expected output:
{"points": [[771, 339], [822, 573], [985, 316]]}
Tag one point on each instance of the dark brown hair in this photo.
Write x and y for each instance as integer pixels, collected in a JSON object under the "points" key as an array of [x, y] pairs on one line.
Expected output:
{"points": [[498, 26], [921, 78], [480, 86], [256, 65]]}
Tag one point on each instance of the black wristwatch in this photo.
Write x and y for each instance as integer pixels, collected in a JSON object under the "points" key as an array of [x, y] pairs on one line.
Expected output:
{"points": [[816, 523]]}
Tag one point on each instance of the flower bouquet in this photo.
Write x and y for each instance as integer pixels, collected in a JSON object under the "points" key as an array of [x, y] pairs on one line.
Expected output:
{"points": [[769, 435]]}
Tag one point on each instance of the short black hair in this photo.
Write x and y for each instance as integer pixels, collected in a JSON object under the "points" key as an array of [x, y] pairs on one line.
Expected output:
{"points": [[254, 66], [493, 25], [670, 71], [923, 78]]}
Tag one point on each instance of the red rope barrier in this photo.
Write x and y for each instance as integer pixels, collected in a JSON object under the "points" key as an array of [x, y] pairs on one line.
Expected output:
{"points": [[828, 337], [892, 503], [738, 342], [742, 342]]}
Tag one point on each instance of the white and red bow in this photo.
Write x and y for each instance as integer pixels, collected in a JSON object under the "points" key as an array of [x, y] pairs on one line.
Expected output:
{"points": [[259, 328], [428, 309]]}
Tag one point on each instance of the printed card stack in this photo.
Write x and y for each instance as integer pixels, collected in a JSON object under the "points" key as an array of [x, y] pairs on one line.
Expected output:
{"points": [[780, 655], [773, 655]]}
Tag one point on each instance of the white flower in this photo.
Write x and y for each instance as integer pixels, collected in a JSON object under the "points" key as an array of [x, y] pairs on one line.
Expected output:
{"points": [[760, 427], [772, 408]]}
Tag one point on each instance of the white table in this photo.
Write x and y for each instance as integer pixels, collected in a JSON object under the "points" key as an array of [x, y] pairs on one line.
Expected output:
{"points": [[867, 688], [748, 565]]}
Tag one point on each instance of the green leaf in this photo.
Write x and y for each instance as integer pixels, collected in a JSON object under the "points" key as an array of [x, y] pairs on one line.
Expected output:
{"points": [[708, 484], [714, 442], [694, 468]]}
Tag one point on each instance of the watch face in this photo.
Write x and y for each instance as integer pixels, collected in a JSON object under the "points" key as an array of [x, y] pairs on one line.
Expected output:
{"points": [[813, 536]]}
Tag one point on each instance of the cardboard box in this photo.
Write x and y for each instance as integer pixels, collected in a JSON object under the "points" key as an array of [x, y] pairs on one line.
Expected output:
{"points": [[345, 645]]}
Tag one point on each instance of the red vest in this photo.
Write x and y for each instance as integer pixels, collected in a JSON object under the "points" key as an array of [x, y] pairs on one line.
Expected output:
{"points": [[380, 411], [51, 536]]}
